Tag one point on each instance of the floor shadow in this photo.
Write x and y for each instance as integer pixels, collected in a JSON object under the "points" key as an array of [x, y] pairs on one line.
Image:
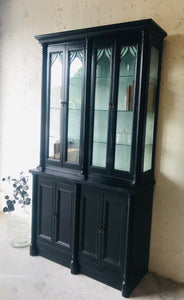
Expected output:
{"points": [[157, 287]]}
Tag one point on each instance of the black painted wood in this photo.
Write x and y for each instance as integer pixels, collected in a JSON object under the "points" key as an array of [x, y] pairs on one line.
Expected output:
{"points": [[90, 224], [64, 215], [93, 220], [113, 231], [33, 247], [147, 24], [46, 209]]}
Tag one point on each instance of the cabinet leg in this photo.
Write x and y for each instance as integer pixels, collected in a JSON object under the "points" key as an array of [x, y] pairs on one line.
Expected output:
{"points": [[74, 267], [33, 250], [125, 290]]}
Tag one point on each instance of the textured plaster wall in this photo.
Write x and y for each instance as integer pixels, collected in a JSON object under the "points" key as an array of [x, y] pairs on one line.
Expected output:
{"points": [[20, 81]]}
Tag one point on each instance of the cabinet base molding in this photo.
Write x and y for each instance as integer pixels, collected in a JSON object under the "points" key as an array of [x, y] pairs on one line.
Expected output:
{"points": [[54, 255]]}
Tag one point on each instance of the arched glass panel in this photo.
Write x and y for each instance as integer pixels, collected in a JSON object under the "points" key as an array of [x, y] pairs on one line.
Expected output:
{"points": [[125, 106], [56, 66], [101, 107], [74, 105]]}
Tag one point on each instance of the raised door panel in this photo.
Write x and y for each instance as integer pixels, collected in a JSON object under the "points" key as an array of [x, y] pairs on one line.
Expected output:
{"points": [[90, 223], [64, 217], [113, 233], [46, 208]]}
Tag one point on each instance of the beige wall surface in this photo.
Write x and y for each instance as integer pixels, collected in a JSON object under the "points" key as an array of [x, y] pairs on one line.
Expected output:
{"points": [[20, 82]]}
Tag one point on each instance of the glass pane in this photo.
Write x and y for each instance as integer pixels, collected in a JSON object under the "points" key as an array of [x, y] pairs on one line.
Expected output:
{"points": [[125, 108], [74, 105], [101, 107], [56, 62], [150, 117]]}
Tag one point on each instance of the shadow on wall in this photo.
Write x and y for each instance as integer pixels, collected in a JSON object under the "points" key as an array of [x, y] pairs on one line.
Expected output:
{"points": [[170, 141]]}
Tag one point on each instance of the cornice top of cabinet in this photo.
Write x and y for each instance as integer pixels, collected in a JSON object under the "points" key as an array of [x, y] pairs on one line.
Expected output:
{"points": [[147, 24]]}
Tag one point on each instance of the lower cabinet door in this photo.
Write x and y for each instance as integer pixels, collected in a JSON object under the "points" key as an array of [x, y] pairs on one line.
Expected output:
{"points": [[46, 209], [55, 218], [90, 224], [103, 228], [114, 230], [64, 215]]}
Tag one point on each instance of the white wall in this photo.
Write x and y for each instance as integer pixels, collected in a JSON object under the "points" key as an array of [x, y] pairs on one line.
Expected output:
{"points": [[20, 82]]}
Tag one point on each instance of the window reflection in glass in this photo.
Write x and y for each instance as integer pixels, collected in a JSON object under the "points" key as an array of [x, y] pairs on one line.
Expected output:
{"points": [[56, 62]]}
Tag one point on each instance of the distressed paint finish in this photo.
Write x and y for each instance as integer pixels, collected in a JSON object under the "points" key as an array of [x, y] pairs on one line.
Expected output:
{"points": [[20, 80]]}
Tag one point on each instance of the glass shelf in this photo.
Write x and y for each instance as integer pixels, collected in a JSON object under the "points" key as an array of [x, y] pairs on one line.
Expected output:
{"points": [[99, 110], [127, 76], [123, 144], [52, 107], [125, 111], [72, 140], [102, 77], [75, 109], [75, 78], [100, 142]]}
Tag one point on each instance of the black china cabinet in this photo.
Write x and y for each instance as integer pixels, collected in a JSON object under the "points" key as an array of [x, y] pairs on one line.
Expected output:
{"points": [[93, 189]]}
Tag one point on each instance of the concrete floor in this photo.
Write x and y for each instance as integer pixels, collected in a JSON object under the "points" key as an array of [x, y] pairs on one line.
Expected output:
{"points": [[23, 277]]}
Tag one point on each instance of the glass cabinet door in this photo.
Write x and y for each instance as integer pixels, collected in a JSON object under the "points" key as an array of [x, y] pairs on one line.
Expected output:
{"points": [[101, 107], [75, 85], [65, 98], [125, 106], [56, 70], [102, 117]]}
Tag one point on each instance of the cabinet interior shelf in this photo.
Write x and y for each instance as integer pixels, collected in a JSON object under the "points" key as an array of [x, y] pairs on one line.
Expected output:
{"points": [[119, 110], [127, 76], [96, 110], [57, 108], [75, 109], [121, 76], [70, 140], [75, 78]]}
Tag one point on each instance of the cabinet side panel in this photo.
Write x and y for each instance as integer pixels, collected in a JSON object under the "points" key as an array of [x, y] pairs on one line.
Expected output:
{"points": [[138, 239], [142, 228]]}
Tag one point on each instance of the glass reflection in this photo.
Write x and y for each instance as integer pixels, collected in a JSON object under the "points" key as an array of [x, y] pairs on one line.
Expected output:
{"points": [[101, 107], [150, 117], [74, 106], [125, 108], [56, 63]]}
